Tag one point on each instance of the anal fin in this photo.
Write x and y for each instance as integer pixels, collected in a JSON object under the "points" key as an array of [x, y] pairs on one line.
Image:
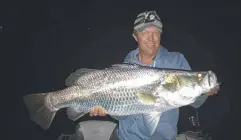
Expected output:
{"points": [[74, 113], [152, 121]]}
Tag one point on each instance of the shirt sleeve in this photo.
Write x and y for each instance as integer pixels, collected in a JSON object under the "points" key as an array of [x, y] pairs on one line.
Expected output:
{"points": [[127, 58], [201, 99]]}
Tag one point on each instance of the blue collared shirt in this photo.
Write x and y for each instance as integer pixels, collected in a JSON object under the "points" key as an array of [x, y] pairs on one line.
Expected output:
{"points": [[133, 127]]}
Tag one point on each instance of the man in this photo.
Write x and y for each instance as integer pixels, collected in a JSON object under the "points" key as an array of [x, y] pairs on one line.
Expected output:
{"points": [[147, 33]]}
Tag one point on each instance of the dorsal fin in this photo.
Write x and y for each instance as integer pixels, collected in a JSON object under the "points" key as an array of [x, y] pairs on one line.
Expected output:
{"points": [[73, 77], [125, 65]]}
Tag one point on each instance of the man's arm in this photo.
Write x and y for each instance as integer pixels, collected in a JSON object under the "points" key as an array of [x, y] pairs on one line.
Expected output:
{"points": [[201, 99]]}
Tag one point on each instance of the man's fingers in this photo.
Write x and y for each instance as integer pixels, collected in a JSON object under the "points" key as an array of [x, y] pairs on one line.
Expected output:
{"points": [[102, 111], [92, 111], [213, 92], [97, 111]]}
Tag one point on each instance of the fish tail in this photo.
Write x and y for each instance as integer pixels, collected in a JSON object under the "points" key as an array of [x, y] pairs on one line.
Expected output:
{"points": [[38, 111]]}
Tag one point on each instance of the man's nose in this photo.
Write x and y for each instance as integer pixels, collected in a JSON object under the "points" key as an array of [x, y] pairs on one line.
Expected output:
{"points": [[150, 38]]}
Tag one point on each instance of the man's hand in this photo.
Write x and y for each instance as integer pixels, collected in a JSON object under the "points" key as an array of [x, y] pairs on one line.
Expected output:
{"points": [[213, 91], [97, 111]]}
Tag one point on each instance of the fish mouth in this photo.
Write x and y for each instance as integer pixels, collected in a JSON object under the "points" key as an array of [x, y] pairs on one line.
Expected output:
{"points": [[218, 85]]}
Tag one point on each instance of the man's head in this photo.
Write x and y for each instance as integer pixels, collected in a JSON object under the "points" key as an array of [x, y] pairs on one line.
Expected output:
{"points": [[147, 32]]}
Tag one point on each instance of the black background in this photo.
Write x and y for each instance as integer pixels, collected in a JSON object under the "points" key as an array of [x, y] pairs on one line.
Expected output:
{"points": [[48, 40]]}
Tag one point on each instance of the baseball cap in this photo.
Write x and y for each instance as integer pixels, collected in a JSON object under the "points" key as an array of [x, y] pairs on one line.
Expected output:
{"points": [[146, 19]]}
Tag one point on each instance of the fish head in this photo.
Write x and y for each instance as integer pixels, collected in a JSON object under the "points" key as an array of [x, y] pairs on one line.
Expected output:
{"points": [[208, 81], [184, 88]]}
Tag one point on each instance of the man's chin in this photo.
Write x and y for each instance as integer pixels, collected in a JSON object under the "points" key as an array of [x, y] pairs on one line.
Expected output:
{"points": [[152, 50]]}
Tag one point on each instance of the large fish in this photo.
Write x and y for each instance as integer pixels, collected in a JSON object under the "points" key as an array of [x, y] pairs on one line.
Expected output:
{"points": [[122, 89]]}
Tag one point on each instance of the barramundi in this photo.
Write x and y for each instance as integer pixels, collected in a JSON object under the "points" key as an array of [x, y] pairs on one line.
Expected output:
{"points": [[122, 90]]}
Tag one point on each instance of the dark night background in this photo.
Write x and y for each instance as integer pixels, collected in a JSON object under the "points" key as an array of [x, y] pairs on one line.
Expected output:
{"points": [[50, 39]]}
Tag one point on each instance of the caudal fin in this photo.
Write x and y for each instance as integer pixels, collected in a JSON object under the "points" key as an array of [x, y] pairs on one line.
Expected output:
{"points": [[39, 113]]}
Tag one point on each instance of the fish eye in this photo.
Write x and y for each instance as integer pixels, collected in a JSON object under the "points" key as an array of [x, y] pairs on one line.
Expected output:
{"points": [[199, 75]]}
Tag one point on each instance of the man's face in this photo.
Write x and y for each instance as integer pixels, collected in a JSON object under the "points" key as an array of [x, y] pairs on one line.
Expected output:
{"points": [[148, 40]]}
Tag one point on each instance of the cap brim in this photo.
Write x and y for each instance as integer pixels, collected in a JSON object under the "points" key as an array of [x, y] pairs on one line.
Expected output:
{"points": [[142, 26]]}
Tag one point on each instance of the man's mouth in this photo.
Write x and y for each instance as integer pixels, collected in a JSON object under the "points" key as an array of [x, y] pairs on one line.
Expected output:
{"points": [[150, 45]]}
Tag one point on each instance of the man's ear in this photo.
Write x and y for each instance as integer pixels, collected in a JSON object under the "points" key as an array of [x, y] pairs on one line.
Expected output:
{"points": [[134, 37]]}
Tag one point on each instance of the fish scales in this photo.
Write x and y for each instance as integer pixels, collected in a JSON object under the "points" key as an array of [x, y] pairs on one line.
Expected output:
{"points": [[116, 75], [119, 99], [115, 99]]}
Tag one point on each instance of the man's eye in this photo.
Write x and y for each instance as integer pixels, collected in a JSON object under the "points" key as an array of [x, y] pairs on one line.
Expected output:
{"points": [[157, 33]]}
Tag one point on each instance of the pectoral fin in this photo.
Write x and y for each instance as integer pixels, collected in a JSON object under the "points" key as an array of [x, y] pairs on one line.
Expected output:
{"points": [[152, 121], [146, 98], [74, 114]]}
